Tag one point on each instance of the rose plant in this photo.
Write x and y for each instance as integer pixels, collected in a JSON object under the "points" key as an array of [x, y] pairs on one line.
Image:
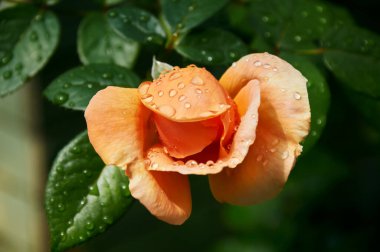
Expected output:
{"points": [[243, 131]]}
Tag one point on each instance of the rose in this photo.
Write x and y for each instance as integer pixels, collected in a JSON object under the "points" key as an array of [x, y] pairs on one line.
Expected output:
{"points": [[243, 131]]}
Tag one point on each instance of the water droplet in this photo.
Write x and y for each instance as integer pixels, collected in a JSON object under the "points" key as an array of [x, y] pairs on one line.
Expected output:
{"points": [[107, 76], [266, 66], [143, 18], [154, 165], [160, 93], [167, 110], [38, 17], [198, 91], [257, 63], [89, 225], [232, 54], [180, 25], [107, 219], [82, 202], [187, 105], [283, 89], [7, 75], [275, 142], [297, 96], [323, 20], [101, 228], [112, 14], [265, 162], [172, 93], [124, 187], [209, 58], [61, 207], [6, 59], [81, 238], [66, 85], [175, 76], [197, 81], [297, 38], [181, 98], [234, 64], [259, 158], [285, 155], [319, 121], [203, 52], [60, 98], [57, 185], [147, 98], [273, 150], [319, 8], [314, 133], [149, 38], [210, 163], [85, 172], [143, 88], [267, 34], [90, 85], [304, 13], [70, 222], [33, 36], [191, 7], [63, 236], [191, 163], [180, 85]]}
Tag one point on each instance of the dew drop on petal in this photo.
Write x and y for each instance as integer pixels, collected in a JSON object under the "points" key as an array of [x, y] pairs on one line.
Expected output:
{"points": [[160, 93], [285, 155], [257, 63], [174, 76], [181, 98], [143, 88], [167, 110], [266, 66], [297, 96], [198, 91], [172, 93], [180, 85], [147, 98], [197, 81], [154, 165], [259, 158], [191, 163], [187, 105]]}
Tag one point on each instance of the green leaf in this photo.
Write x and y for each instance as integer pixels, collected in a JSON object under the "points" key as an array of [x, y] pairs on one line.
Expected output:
{"points": [[182, 15], [368, 107], [136, 24], [295, 24], [158, 67], [28, 38], [212, 47], [108, 2], [354, 60], [83, 197], [319, 96], [74, 88], [98, 43]]}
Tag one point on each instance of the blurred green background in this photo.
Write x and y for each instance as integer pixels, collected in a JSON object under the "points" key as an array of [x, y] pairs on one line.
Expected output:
{"points": [[330, 203]]}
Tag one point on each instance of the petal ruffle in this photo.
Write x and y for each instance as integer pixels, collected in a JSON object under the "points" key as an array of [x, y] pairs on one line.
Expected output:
{"points": [[249, 98], [165, 194], [284, 121], [117, 125]]}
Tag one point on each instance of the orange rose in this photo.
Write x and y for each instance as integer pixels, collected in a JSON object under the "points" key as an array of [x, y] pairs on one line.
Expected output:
{"points": [[243, 131]]}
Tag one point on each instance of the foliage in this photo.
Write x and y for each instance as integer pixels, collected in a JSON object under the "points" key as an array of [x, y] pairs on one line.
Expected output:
{"points": [[116, 41]]}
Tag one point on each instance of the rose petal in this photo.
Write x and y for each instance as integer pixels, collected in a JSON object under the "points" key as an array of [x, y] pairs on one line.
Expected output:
{"points": [[183, 139], [165, 194], [185, 95], [284, 121], [285, 102], [117, 125], [249, 100]]}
